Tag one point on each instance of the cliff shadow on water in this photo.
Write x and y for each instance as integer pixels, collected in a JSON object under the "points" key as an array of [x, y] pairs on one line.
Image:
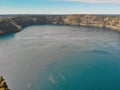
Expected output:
{"points": [[7, 37]]}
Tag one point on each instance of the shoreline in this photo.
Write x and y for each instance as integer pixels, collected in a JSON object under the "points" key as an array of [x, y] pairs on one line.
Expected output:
{"points": [[15, 23]]}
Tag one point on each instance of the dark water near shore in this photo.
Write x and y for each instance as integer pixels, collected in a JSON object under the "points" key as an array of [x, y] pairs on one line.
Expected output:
{"points": [[61, 58]]}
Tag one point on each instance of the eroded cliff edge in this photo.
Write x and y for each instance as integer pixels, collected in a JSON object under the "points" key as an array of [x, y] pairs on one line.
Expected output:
{"points": [[3, 84], [12, 24]]}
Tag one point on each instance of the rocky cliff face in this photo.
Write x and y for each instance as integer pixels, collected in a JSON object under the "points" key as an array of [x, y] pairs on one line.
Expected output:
{"points": [[13, 24], [8, 26], [3, 84], [110, 22]]}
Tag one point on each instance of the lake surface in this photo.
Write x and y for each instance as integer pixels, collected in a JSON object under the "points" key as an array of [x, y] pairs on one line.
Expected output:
{"points": [[61, 58]]}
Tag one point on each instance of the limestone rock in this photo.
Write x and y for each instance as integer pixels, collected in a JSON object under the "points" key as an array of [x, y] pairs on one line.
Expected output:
{"points": [[3, 84]]}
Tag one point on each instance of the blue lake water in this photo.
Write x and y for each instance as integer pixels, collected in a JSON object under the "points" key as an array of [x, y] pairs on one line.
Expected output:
{"points": [[61, 58]]}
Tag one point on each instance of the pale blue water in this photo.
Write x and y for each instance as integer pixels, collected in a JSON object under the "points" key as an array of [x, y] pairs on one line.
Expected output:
{"points": [[61, 58]]}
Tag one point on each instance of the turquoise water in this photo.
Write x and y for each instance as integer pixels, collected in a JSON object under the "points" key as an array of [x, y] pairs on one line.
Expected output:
{"points": [[61, 58]]}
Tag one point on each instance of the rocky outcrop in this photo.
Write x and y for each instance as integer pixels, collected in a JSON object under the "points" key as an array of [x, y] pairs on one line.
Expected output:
{"points": [[8, 26], [11, 24], [110, 22], [3, 84]]}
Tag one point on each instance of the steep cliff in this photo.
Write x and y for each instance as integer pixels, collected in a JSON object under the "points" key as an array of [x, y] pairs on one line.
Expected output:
{"points": [[11, 24], [3, 84], [110, 22], [7, 26]]}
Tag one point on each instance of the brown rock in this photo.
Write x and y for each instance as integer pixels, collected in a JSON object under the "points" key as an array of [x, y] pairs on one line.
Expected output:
{"points": [[3, 84]]}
